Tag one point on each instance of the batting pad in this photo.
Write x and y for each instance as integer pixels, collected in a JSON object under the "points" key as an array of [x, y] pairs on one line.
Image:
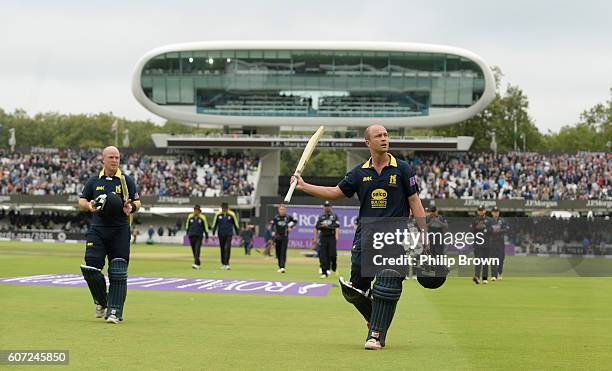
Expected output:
{"points": [[117, 291], [96, 283], [386, 292], [358, 298]]}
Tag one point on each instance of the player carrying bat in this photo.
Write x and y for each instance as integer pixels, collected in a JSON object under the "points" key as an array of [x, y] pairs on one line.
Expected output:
{"points": [[381, 174]]}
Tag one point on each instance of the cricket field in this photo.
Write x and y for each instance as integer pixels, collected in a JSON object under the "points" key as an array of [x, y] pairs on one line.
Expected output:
{"points": [[550, 321]]}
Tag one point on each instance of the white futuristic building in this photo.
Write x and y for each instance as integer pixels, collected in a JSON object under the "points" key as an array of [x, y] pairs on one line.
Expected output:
{"points": [[297, 83]]}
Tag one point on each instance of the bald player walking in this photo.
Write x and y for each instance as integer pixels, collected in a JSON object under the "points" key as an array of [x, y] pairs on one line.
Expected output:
{"points": [[109, 235], [376, 302]]}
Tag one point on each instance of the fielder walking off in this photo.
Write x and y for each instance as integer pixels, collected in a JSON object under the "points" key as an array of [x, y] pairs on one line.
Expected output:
{"points": [[197, 227], [499, 228], [225, 224], [326, 235], [481, 225], [281, 227]]}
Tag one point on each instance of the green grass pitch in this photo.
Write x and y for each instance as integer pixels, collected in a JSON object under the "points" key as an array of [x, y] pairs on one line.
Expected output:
{"points": [[548, 322]]}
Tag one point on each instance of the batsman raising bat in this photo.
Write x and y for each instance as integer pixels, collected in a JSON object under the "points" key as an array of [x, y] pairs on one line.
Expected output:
{"points": [[381, 174], [308, 150]]}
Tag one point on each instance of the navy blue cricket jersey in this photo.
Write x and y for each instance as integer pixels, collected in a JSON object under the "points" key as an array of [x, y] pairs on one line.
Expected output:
{"points": [[100, 184], [384, 195]]}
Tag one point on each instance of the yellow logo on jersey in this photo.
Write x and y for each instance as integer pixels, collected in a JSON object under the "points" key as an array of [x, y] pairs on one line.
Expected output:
{"points": [[99, 188], [379, 199], [366, 179], [118, 189], [393, 180]]}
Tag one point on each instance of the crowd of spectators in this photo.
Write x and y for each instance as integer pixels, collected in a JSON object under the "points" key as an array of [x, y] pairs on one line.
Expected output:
{"points": [[576, 235], [66, 171], [14, 219], [196, 176], [531, 176]]}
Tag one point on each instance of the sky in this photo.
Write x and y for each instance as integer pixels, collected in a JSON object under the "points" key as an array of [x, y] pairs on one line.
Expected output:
{"points": [[79, 57]]}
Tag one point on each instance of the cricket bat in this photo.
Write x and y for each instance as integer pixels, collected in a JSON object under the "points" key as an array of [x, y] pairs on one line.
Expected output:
{"points": [[310, 147]]}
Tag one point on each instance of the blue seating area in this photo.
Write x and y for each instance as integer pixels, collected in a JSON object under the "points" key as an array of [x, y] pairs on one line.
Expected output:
{"points": [[327, 106]]}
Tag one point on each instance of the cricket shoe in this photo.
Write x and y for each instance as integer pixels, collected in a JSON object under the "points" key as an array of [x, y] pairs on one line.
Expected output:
{"points": [[382, 343], [228, 268], [500, 277], [100, 311], [484, 282], [373, 344], [494, 279], [113, 319], [282, 270], [476, 280], [195, 266], [323, 276]]}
